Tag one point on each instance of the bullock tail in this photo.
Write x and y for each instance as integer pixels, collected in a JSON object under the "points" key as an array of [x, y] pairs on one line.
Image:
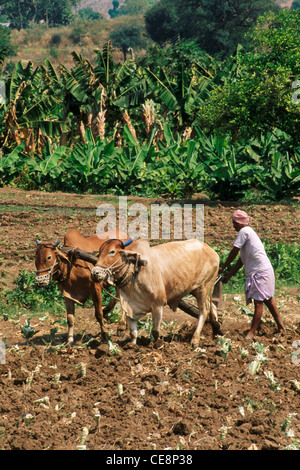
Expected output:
{"points": [[213, 313]]}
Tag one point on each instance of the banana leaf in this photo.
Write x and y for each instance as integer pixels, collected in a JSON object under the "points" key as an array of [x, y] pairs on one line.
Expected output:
{"points": [[12, 162], [46, 165], [132, 96], [163, 93]]}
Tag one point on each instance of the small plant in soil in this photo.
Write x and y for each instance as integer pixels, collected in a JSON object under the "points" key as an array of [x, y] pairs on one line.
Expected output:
{"points": [[28, 331], [225, 344]]}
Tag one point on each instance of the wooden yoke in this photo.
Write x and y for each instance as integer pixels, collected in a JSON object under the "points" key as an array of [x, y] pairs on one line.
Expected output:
{"points": [[81, 254]]}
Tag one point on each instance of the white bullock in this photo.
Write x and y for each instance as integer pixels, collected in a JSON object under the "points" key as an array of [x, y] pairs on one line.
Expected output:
{"points": [[148, 278]]}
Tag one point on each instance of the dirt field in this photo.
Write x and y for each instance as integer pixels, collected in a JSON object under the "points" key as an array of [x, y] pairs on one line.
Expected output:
{"points": [[149, 396]]}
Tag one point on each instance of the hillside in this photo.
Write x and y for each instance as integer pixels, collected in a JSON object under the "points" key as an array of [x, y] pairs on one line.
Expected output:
{"points": [[57, 44], [38, 43], [286, 3], [102, 6]]}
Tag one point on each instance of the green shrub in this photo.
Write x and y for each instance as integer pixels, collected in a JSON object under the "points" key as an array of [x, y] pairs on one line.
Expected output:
{"points": [[56, 39], [286, 261], [27, 295], [172, 167]]}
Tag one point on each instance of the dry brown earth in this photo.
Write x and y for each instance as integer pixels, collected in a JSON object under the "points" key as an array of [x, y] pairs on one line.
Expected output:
{"points": [[148, 397]]}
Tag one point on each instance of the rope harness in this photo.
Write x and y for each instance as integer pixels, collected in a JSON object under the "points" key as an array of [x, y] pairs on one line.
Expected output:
{"points": [[45, 278], [63, 269], [101, 272], [60, 270]]}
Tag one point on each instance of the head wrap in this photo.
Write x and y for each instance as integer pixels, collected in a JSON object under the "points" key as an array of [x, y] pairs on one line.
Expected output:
{"points": [[241, 217]]}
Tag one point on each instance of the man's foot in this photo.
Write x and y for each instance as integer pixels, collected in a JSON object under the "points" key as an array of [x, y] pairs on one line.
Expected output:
{"points": [[279, 331], [249, 335]]}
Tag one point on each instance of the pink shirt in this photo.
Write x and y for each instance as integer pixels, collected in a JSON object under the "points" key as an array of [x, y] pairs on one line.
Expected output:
{"points": [[252, 251]]}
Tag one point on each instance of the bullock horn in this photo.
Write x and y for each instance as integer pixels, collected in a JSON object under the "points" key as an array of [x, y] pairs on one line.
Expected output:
{"points": [[128, 242], [38, 242], [56, 244]]}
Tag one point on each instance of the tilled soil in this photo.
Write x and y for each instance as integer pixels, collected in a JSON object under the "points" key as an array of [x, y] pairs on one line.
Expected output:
{"points": [[149, 396]]}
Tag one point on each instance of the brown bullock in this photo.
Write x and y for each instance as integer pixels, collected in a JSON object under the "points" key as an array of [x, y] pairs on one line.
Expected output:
{"points": [[74, 276], [157, 276]]}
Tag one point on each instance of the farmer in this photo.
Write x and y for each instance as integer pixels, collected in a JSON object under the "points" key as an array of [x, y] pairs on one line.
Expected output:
{"points": [[260, 279]]}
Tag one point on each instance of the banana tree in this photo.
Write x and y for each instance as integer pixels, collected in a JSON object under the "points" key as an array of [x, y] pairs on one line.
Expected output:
{"points": [[281, 178], [82, 95], [11, 164], [125, 87], [33, 107], [49, 166], [183, 94], [99, 96]]}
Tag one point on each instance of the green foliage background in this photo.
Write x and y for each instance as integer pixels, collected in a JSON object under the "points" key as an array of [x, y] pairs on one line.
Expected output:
{"points": [[175, 121]]}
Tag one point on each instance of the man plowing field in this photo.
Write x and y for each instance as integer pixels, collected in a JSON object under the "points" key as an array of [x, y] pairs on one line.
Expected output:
{"points": [[260, 279]]}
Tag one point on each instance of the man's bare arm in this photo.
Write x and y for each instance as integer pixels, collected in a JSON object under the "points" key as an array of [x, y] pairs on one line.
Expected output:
{"points": [[232, 255]]}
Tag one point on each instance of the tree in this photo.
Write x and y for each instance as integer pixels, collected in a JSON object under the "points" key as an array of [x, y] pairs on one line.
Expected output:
{"points": [[89, 14], [21, 12], [54, 12], [295, 5], [6, 48], [127, 37], [161, 21], [115, 11], [184, 53], [217, 25], [260, 99]]}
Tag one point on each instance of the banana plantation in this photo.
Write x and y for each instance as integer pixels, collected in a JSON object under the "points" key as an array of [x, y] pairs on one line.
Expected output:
{"points": [[141, 129]]}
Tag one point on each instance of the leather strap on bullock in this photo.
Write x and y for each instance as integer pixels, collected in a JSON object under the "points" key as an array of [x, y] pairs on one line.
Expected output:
{"points": [[123, 280]]}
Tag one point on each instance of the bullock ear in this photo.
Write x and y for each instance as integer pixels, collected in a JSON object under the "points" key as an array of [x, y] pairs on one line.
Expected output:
{"points": [[132, 257]]}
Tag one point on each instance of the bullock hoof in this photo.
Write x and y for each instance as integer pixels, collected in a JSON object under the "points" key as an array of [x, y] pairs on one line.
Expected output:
{"points": [[216, 329], [105, 337], [195, 343], [133, 338], [155, 335], [70, 342]]}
